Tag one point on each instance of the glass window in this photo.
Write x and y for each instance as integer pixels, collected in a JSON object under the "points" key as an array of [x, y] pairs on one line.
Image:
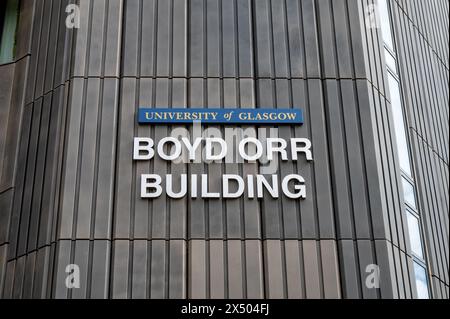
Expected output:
{"points": [[414, 235], [385, 23], [408, 193], [399, 125], [2, 16], [421, 281], [8, 23]]}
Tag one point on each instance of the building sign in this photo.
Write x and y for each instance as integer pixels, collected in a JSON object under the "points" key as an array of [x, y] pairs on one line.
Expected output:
{"points": [[220, 116], [182, 147]]}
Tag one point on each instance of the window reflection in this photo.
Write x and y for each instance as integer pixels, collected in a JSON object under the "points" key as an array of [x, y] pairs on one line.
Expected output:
{"points": [[385, 23], [399, 125], [421, 281], [408, 193], [414, 235]]}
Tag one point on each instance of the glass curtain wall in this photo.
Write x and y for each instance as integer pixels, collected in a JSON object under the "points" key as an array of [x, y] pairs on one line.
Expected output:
{"points": [[407, 184]]}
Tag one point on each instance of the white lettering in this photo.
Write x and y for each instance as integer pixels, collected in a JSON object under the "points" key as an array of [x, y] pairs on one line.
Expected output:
{"points": [[146, 184], [142, 144], [226, 186]]}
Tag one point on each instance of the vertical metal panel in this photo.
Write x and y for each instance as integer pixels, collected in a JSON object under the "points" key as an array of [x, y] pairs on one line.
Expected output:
{"points": [[383, 251], [44, 43], [29, 274], [131, 35], [19, 274], [233, 213], [6, 83], [29, 178], [3, 263], [52, 45], [113, 37], [349, 271], [273, 267], [295, 283], [81, 39], [106, 151], [49, 201], [160, 213], [245, 39], [71, 160], [279, 36], [35, 38], [229, 35], [159, 275], [217, 268], [97, 34], [178, 209], [9, 280], [13, 119], [41, 273], [212, 38], [309, 18], [196, 209], [366, 259], [355, 162], [6, 200], [197, 269], [142, 209], [311, 264], [179, 39], [215, 172], [197, 37], [88, 159], [163, 45], [81, 259], [338, 155], [342, 34], [327, 41], [124, 169], [263, 38], [120, 270], [423, 66], [20, 184], [140, 272], [177, 269], [330, 269], [254, 273], [100, 269], [63, 259], [148, 47], [235, 269], [63, 59], [289, 208], [321, 177]]}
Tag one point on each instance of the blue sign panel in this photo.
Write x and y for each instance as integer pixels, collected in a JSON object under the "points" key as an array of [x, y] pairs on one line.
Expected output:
{"points": [[220, 116]]}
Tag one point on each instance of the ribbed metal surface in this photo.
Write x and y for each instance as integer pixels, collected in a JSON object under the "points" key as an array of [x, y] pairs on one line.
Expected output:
{"points": [[422, 36], [71, 194]]}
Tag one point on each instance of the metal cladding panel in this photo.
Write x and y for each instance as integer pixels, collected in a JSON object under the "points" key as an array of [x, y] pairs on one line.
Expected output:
{"points": [[69, 189], [421, 34]]}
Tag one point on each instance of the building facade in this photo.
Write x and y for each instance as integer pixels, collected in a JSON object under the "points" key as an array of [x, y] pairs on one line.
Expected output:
{"points": [[371, 78]]}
